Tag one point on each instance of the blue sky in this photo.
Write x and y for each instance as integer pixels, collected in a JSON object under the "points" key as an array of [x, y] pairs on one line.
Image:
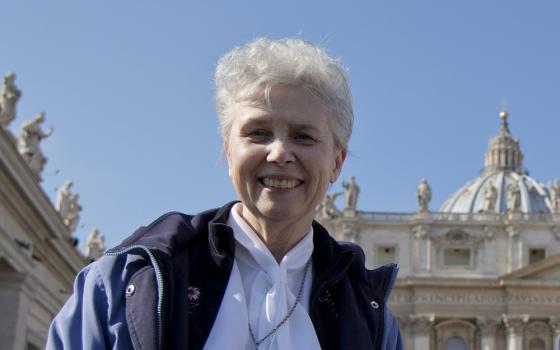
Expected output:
{"points": [[127, 86]]}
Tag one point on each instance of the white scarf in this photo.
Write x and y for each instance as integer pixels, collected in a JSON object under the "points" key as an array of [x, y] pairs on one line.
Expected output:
{"points": [[261, 292]]}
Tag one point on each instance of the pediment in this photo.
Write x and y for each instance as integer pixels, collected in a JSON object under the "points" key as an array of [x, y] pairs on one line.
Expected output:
{"points": [[547, 269]]}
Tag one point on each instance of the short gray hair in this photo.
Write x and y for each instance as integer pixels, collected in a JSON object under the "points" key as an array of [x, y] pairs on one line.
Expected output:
{"points": [[247, 72]]}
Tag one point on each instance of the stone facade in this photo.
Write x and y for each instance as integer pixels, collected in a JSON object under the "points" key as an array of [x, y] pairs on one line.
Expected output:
{"points": [[489, 296], [38, 261], [38, 257], [483, 272]]}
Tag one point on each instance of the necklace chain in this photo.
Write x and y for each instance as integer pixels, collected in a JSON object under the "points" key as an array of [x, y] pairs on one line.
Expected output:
{"points": [[290, 312]]}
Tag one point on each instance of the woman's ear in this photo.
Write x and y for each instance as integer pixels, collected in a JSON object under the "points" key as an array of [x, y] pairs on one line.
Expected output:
{"points": [[340, 156], [226, 153]]}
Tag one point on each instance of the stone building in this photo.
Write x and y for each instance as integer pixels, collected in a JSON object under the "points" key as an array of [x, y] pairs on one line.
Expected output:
{"points": [[483, 272], [38, 255]]}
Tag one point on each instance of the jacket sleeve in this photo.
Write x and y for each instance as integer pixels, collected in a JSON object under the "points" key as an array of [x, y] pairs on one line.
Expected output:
{"points": [[82, 321], [392, 335], [94, 316]]}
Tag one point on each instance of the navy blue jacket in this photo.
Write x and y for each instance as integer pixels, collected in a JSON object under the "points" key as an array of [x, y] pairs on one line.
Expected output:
{"points": [[137, 295]]}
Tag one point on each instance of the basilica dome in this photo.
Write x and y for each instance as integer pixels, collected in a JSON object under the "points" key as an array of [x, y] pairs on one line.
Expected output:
{"points": [[503, 185]]}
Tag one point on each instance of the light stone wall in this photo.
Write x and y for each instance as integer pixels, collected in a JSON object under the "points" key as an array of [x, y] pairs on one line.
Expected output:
{"points": [[492, 305], [372, 238], [38, 262], [538, 239]]}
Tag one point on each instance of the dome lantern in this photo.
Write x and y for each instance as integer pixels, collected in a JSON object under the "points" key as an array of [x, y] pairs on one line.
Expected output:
{"points": [[504, 152]]}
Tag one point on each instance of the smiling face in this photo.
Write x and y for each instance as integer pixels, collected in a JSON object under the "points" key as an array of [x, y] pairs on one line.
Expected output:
{"points": [[282, 157]]}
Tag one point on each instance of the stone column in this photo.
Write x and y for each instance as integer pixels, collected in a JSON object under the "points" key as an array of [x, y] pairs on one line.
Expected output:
{"points": [[489, 267], [421, 251], [514, 330], [14, 308], [407, 331], [423, 329], [350, 231], [555, 325], [514, 249], [487, 328]]}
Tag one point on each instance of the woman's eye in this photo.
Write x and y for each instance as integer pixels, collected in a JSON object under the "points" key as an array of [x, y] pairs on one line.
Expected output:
{"points": [[304, 138], [258, 135]]}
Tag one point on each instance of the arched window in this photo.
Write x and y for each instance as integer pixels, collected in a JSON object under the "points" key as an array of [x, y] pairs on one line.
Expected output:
{"points": [[536, 344], [455, 343]]}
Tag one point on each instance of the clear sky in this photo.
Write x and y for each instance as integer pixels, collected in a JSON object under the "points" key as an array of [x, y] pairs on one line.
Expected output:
{"points": [[127, 86]]}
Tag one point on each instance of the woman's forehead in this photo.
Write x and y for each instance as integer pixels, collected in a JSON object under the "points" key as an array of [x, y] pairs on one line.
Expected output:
{"points": [[294, 119], [296, 113], [282, 97]]}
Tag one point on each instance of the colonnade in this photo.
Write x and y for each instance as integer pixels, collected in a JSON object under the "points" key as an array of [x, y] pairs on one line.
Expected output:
{"points": [[427, 331]]}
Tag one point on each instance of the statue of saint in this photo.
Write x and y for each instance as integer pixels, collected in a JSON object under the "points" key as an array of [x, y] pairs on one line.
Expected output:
{"points": [[68, 207], [350, 232], [423, 195], [327, 209], [9, 96], [29, 139], [351, 191], [490, 196], [94, 245], [555, 196], [514, 196]]}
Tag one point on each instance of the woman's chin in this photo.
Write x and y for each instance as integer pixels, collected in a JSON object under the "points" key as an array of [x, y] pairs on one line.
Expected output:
{"points": [[284, 212]]}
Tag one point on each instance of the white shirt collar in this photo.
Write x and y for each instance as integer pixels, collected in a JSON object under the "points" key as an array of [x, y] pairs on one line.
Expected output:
{"points": [[260, 293]]}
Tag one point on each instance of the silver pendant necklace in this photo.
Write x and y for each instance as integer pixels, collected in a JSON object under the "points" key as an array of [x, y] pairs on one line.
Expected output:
{"points": [[290, 312]]}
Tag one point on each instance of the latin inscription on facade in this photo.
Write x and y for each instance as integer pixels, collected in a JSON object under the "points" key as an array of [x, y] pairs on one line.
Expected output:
{"points": [[473, 299]]}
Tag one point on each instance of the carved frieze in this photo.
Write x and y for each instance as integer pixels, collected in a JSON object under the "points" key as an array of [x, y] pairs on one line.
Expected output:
{"points": [[487, 325], [514, 323], [423, 323], [489, 233], [420, 231], [474, 299], [513, 231], [458, 237]]}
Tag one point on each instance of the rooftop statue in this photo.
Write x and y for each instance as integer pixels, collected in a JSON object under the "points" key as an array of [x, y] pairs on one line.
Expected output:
{"points": [[423, 195], [9, 96], [555, 196], [68, 207], [327, 209], [351, 192], [28, 143], [94, 245], [490, 196], [514, 197]]}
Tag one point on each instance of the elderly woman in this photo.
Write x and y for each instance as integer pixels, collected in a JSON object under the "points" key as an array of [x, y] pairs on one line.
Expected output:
{"points": [[258, 273]]}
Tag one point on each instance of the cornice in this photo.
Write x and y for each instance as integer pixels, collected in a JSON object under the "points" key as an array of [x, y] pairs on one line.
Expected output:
{"points": [[538, 267], [20, 261], [438, 282], [19, 179], [525, 284]]}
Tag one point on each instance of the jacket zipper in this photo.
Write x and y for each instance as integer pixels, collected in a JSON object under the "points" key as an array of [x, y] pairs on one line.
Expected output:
{"points": [[159, 281], [328, 284]]}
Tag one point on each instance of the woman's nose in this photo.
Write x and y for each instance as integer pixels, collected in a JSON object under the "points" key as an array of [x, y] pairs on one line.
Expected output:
{"points": [[280, 152]]}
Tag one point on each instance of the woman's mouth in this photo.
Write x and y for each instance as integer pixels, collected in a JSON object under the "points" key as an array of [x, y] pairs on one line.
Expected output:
{"points": [[283, 184]]}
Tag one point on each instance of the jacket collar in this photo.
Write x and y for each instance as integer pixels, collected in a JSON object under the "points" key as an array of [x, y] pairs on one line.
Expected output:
{"points": [[174, 231], [329, 257]]}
